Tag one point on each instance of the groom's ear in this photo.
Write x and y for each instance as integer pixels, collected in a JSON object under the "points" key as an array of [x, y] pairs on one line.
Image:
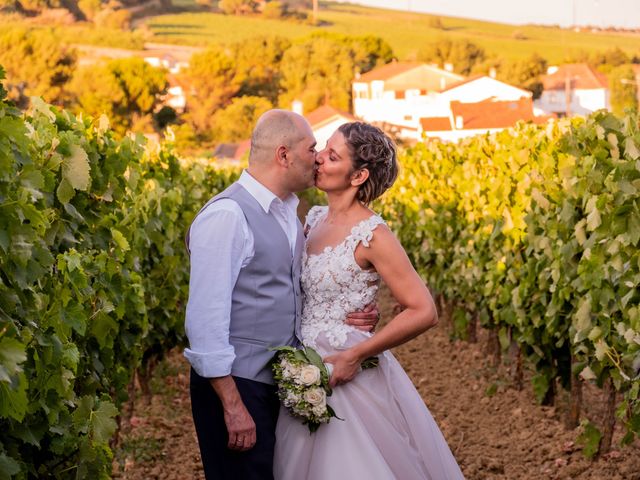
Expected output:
{"points": [[359, 177], [281, 156]]}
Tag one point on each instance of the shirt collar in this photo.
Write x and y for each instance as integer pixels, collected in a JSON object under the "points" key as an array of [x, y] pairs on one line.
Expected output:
{"points": [[263, 195]]}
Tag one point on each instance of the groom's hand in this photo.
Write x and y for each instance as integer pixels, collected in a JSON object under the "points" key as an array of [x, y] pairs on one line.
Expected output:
{"points": [[240, 425], [366, 320], [241, 428]]}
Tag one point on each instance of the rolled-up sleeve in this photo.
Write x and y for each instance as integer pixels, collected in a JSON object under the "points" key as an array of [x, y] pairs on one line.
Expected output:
{"points": [[218, 249]]}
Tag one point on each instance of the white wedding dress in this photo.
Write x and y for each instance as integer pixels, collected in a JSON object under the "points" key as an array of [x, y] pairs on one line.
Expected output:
{"points": [[387, 432]]}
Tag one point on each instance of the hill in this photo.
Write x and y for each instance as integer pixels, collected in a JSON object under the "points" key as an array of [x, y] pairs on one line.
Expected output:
{"points": [[406, 32]]}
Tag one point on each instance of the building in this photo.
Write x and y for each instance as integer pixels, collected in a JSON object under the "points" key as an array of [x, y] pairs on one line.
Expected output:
{"points": [[324, 121], [413, 100], [573, 89], [486, 116], [400, 93]]}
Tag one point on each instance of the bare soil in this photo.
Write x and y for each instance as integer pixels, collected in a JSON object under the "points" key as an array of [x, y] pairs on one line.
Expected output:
{"points": [[494, 430]]}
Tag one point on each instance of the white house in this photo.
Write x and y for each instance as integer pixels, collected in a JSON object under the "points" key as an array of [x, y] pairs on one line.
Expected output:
{"points": [[486, 116], [414, 100], [399, 93], [573, 89]]}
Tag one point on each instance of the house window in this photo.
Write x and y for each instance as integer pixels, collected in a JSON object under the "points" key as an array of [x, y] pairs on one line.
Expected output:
{"points": [[408, 118]]}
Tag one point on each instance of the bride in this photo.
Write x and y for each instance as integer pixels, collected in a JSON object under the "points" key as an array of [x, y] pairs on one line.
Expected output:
{"points": [[387, 432]]}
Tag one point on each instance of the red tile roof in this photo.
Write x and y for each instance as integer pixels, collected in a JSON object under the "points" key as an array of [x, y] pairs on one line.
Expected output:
{"points": [[435, 124], [583, 77], [489, 114], [388, 71], [325, 113]]}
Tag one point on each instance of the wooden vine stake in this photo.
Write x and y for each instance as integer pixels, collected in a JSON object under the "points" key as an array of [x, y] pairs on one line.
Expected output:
{"points": [[609, 417], [515, 352], [573, 417]]}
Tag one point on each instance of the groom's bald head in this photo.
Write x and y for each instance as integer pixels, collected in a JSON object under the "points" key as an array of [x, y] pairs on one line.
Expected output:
{"points": [[273, 129]]}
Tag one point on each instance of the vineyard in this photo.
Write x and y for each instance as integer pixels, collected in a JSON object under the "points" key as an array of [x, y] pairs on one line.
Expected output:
{"points": [[531, 233]]}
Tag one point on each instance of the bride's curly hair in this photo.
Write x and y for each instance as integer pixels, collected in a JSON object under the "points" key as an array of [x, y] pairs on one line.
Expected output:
{"points": [[372, 149]]}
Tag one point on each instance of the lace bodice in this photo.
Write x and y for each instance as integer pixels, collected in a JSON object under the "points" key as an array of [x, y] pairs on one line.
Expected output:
{"points": [[334, 284]]}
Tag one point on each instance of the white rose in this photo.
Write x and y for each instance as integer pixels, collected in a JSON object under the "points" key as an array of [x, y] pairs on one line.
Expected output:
{"points": [[315, 396], [309, 375]]}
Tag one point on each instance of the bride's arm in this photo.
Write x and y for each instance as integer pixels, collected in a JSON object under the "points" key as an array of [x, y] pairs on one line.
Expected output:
{"points": [[390, 261]]}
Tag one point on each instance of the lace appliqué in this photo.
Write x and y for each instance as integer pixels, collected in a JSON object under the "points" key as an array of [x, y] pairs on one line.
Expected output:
{"points": [[334, 285]]}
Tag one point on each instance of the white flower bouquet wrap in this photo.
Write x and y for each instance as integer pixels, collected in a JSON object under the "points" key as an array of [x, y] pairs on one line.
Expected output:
{"points": [[303, 384]]}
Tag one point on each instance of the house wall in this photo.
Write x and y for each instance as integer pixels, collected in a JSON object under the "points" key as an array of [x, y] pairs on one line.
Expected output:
{"points": [[399, 111], [482, 89], [583, 102]]}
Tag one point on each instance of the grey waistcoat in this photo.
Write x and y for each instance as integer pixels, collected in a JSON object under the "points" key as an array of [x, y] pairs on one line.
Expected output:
{"points": [[266, 300]]}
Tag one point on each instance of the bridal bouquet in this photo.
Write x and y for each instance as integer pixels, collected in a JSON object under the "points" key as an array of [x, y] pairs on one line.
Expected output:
{"points": [[303, 384]]}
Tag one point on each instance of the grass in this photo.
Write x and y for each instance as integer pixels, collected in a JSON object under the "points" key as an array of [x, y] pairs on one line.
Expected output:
{"points": [[406, 32]]}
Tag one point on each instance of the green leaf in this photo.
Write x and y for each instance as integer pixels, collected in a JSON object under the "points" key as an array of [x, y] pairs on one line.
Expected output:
{"points": [[12, 355], [590, 439], [631, 149], [314, 358], [76, 168], [593, 218], [38, 105], [582, 317], [118, 237], [540, 384], [13, 398], [8, 466], [103, 425], [65, 191]]}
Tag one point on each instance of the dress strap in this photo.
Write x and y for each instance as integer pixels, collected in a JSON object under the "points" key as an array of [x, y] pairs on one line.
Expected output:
{"points": [[363, 231], [315, 213]]}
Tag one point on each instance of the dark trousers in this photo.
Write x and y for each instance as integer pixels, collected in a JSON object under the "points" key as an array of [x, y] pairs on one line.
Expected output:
{"points": [[218, 460]]}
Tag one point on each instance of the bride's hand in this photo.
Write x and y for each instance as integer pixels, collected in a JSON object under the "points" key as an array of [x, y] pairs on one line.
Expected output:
{"points": [[346, 365]]}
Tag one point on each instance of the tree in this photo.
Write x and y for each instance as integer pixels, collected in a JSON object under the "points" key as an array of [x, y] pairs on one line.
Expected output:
{"points": [[257, 65], [235, 122], [126, 90], [609, 59], [274, 10], [321, 69], [318, 71], [368, 52], [37, 64], [89, 8], [211, 82], [236, 7], [624, 89], [526, 73], [462, 54]]}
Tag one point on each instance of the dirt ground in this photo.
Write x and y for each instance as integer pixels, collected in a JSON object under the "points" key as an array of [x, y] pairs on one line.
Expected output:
{"points": [[494, 431]]}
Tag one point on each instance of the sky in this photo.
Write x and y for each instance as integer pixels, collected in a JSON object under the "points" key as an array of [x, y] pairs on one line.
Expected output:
{"points": [[602, 13]]}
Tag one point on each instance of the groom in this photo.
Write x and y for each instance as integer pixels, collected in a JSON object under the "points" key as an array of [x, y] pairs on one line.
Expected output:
{"points": [[244, 297]]}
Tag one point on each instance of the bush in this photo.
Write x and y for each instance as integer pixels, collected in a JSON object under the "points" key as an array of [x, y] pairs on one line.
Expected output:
{"points": [[117, 19]]}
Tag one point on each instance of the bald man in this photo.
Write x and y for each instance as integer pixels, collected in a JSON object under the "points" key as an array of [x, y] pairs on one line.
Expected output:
{"points": [[244, 297]]}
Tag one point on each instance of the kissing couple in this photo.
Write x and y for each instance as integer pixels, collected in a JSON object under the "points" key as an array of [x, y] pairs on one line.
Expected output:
{"points": [[259, 279]]}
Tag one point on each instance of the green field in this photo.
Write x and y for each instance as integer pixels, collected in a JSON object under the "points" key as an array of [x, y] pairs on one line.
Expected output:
{"points": [[405, 32]]}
